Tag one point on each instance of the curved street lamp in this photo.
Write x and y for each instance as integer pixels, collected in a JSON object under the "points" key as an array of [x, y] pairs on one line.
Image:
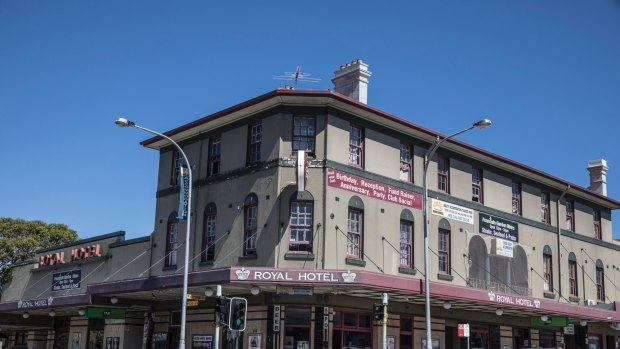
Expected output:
{"points": [[122, 122], [484, 123]]}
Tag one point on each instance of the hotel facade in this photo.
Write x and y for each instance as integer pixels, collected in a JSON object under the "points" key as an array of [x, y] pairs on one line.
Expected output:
{"points": [[309, 204]]}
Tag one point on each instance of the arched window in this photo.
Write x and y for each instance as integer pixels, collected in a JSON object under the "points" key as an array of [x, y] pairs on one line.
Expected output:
{"points": [[572, 275], [172, 240], [250, 214], [600, 281], [355, 228], [300, 222], [547, 269], [406, 239], [208, 233], [443, 246], [478, 262], [519, 271]]}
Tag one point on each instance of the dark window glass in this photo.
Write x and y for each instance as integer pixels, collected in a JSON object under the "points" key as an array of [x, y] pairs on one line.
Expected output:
{"points": [[250, 211], [516, 198], [300, 225], [443, 174], [545, 216], [406, 244], [548, 273], [255, 138], [208, 234], [215, 155], [406, 163], [570, 215], [304, 133], [356, 146], [354, 233], [444, 251], [476, 184], [172, 243], [596, 217], [572, 278]]}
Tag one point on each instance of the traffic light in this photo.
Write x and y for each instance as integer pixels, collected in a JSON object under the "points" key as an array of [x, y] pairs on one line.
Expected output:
{"points": [[222, 306], [238, 307], [378, 311]]}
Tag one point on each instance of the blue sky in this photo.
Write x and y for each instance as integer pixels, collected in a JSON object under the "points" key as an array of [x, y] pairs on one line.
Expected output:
{"points": [[546, 72]]}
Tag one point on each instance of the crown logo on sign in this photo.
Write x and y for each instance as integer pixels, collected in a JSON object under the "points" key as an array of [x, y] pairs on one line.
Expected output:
{"points": [[19, 304], [242, 274], [49, 300], [536, 303], [348, 277], [491, 296]]}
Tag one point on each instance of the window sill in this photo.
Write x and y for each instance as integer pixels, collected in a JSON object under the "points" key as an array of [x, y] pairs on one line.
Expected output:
{"points": [[206, 263], [445, 277], [410, 271], [574, 299], [357, 262], [169, 267], [247, 258], [549, 295], [299, 256]]}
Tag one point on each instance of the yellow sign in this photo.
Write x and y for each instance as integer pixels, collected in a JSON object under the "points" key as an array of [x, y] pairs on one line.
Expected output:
{"points": [[196, 297], [192, 303]]}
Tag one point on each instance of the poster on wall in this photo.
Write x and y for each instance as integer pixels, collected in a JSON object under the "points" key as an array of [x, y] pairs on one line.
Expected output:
{"points": [[303, 344], [202, 341], [434, 342], [289, 342], [254, 340], [112, 342], [76, 340], [451, 211], [160, 340], [391, 342]]}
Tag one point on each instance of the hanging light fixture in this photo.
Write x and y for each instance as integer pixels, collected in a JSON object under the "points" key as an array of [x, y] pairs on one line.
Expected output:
{"points": [[544, 318], [114, 300], [81, 312], [499, 311], [254, 290], [26, 315], [52, 313], [447, 305], [583, 323], [209, 292]]}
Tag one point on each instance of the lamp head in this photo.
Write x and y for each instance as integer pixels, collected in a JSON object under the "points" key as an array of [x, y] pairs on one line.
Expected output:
{"points": [[122, 122], [484, 123]]}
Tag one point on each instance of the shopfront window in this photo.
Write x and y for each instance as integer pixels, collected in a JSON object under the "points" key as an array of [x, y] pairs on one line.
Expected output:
{"points": [[478, 338], [406, 333], [95, 334], [594, 341], [297, 328], [61, 335], [521, 338], [352, 330], [547, 339]]}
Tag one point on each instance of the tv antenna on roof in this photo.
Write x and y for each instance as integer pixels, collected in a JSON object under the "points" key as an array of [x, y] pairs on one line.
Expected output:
{"points": [[297, 75]]}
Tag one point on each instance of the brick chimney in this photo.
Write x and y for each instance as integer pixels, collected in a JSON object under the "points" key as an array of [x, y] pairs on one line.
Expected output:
{"points": [[351, 80], [598, 176]]}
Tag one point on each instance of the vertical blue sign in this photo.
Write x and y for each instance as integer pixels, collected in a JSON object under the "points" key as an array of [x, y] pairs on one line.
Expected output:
{"points": [[184, 193]]}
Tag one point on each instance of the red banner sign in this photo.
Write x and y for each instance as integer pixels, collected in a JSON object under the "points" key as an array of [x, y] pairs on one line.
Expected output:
{"points": [[373, 189]]}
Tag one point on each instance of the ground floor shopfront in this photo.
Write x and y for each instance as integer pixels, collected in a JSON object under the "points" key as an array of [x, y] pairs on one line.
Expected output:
{"points": [[301, 309], [305, 326]]}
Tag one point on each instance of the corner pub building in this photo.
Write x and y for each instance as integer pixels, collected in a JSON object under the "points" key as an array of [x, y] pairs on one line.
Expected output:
{"points": [[308, 203]]}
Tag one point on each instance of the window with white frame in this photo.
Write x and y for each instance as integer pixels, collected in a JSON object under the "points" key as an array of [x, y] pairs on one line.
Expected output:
{"points": [[300, 226]]}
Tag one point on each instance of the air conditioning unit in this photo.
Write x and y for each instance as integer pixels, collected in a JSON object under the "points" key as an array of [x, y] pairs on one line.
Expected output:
{"points": [[590, 302]]}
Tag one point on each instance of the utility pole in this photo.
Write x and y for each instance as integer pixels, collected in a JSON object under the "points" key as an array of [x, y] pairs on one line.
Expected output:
{"points": [[216, 342], [385, 319]]}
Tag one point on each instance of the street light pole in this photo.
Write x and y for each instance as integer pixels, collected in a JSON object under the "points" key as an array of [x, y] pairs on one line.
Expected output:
{"points": [[427, 159], [122, 122]]}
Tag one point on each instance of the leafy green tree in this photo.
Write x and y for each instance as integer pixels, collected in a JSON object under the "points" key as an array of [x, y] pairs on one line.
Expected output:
{"points": [[19, 239]]}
